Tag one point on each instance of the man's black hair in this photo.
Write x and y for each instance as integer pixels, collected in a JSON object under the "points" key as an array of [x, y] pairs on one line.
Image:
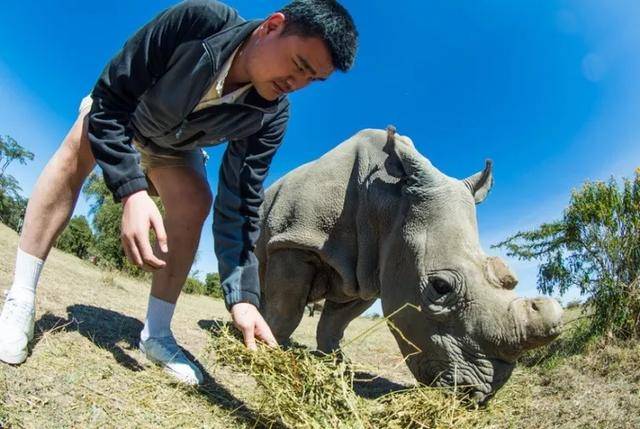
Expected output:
{"points": [[328, 20]]}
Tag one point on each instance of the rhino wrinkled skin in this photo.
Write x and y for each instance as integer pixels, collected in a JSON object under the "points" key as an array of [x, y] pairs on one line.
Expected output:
{"points": [[374, 218]]}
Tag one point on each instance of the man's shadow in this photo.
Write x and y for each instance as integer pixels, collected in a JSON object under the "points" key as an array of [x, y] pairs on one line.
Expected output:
{"points": [[107, 329], [116, 332], [366, 385]]}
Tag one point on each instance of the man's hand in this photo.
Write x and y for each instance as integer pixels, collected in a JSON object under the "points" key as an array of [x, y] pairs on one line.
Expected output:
{"points": [[139, 214], [249, 321]]}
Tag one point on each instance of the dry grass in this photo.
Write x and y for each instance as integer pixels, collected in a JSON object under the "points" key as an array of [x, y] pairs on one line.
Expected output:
{"points": [[300, 389], [85, 371]]}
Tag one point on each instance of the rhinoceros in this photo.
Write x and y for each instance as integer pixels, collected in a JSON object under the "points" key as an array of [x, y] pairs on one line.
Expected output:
{"points": [[374, 218]]}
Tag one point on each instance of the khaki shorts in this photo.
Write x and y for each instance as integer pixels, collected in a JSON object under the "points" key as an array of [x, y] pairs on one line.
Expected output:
{"points": [[155, 157]]}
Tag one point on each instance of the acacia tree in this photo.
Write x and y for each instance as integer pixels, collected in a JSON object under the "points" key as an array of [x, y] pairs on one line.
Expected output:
{"points": [[596, 248], [12, 204]]}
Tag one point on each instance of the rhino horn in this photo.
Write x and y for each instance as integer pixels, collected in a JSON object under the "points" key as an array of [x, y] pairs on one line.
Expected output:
{"points": [[405, 161], [499, 273], [480, 183]]}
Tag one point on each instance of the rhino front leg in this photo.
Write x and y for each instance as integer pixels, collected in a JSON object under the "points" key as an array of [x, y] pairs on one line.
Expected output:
{"points": [[334, 320], [288, 278]]}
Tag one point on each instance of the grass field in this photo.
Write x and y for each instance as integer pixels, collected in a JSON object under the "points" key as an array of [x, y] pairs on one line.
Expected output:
{"points": [[85, 369]]}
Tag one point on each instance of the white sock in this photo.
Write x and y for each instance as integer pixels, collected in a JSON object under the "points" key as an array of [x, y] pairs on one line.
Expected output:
{"points": [[25, 278], [158, 322]]}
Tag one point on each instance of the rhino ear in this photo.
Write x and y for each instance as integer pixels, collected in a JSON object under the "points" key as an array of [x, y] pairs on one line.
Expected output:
{"points": [[480, 183], [393, 164]]}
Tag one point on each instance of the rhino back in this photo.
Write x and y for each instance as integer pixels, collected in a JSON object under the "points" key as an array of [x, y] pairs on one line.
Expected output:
{"points": [[315, 206]]}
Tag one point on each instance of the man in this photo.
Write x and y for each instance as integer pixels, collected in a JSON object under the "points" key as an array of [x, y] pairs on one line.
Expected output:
{"points": [[197, 75]]}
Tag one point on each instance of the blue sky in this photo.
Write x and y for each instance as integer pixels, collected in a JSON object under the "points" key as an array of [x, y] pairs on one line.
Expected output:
{"points": [[548, 90]]}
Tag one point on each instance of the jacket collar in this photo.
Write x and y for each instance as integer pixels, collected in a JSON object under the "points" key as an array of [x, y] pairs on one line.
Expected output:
{"points": [[222, 44]]}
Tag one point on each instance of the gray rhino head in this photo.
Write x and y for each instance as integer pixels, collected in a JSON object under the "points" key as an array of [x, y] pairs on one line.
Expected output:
{"points": [[471, 326]]}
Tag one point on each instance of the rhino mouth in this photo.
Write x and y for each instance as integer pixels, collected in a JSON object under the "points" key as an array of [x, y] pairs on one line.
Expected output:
{"points": [[475, 382], [501, 373]]}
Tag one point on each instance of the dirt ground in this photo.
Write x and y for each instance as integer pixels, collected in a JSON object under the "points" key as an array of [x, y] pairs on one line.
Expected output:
{"points": [[85, 370]]}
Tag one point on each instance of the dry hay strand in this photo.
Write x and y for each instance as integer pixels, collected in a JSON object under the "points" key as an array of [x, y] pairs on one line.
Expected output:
{"points": [[298, 389], [301, 389]]}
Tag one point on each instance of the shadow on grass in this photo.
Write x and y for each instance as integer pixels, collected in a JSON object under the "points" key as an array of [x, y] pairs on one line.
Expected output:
{"points": [[109, 329], [366, 385], [371, 386], [105, 328]]}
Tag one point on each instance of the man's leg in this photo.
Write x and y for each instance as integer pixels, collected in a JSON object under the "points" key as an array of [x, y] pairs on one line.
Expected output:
{"points": [[187, 199], [49, 209]]}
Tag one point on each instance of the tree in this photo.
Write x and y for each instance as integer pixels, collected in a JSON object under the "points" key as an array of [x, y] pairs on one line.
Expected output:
{"points": [[12, 209], [77, 237], [107, 218], [12, 204], [596, 248], [212, 285], [11, 151]]}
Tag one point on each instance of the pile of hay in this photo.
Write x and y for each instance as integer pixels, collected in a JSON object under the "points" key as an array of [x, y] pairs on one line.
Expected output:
{"points": [[300, 389]]}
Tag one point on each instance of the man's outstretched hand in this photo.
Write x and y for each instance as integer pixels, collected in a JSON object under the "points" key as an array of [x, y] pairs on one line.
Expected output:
{"points": [[249, 321], [139, 214]]}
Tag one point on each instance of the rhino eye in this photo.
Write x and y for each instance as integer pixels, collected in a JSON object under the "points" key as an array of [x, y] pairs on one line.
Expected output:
{"points": [[441, 285]]}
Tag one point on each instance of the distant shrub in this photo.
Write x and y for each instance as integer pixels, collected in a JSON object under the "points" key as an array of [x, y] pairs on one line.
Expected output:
{"points": [[194, 286], [209, 287], [76, 238], [575, 303], [212, 286]]}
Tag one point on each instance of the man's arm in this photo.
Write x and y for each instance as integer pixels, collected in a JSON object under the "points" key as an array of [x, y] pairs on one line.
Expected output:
{"points": [[236, 220], [143, 60]]}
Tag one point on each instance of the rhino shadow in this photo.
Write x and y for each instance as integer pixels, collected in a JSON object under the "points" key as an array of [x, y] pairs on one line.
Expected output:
{"points": [[108, 329], [371, 386]]}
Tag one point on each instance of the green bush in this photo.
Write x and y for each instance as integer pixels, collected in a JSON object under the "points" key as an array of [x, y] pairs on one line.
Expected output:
{"points": [[107, 218], [76, 238], [194, 286], [210, 287], [596, 248], [12, 209], [213, 287]]}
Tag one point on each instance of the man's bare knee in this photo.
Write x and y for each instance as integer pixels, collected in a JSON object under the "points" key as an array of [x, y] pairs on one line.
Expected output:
{"points": [[74, 158], [200, 204], [185, 195]]}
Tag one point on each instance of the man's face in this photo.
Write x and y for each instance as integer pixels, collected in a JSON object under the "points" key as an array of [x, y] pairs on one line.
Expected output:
{"points": [[279, 64]]}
